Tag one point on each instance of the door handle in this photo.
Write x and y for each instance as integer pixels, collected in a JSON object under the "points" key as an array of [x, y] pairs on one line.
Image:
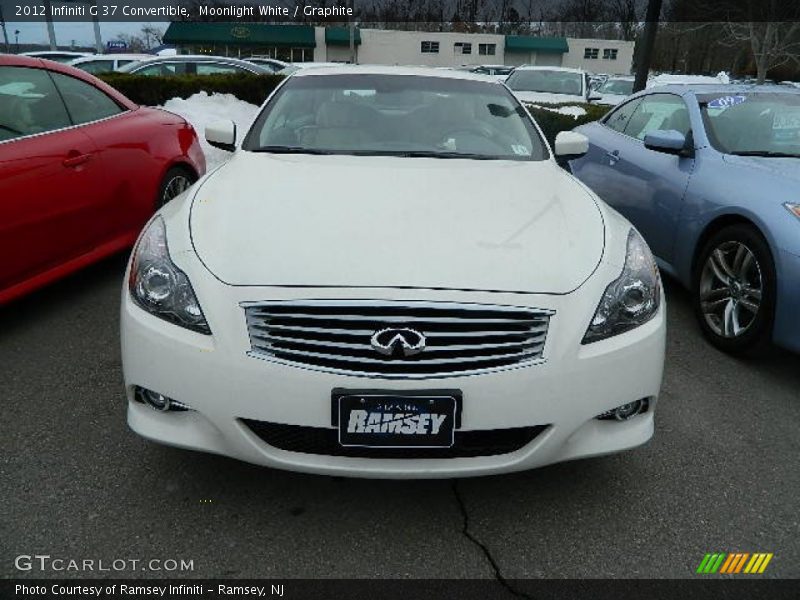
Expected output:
{"points": [[75, 159], [613, 157]]}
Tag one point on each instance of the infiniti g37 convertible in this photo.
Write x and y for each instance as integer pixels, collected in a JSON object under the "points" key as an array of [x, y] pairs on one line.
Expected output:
{"points": [[711, 177], [343, 296]]}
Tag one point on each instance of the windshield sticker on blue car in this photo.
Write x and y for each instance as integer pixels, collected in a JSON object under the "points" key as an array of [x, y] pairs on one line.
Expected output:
{"points": [[726, 101]]}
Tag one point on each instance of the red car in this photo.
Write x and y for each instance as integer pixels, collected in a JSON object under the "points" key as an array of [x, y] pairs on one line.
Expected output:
{"points": [[81, 170]]}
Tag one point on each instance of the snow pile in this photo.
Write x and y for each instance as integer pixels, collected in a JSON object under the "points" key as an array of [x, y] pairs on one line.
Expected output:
{"points": [[203, 109], [571, 111], [669, 79]]}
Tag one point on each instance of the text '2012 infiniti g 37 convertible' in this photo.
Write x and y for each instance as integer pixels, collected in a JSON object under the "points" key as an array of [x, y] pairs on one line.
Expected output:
{"points": [[347, 295]]}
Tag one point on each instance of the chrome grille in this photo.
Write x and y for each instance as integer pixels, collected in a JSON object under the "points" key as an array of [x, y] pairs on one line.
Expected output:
{"points": [[335, 336]]}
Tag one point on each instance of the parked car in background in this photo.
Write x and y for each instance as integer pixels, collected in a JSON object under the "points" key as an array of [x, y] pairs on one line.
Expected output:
{"points": [[597, 79], [106, 63], [614, 90], [294, 67], [82, 168], [710, 175], [166, 66], [272, 64], [499, 72], [405, 326], [550, 85], [61, 56]]}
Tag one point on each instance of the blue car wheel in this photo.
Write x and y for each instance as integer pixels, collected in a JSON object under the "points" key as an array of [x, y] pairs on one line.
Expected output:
{"points": [[734, 290]]}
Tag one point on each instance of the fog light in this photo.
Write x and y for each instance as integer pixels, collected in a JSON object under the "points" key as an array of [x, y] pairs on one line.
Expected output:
{"points": [[626, 411], [157, 401]]}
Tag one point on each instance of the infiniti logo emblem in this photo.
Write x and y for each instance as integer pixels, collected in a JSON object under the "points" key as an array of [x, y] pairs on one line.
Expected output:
{"points": [[398, 342]]}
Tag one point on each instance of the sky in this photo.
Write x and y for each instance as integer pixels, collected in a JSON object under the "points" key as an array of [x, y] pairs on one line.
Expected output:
{"points": [[82, 33]]}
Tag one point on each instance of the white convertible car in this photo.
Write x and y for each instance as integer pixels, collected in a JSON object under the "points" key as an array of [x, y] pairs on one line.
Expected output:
{"points": [[392, 277]]}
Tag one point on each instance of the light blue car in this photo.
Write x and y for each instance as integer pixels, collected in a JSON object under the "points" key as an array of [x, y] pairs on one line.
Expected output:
{"points": [[710, 175]]}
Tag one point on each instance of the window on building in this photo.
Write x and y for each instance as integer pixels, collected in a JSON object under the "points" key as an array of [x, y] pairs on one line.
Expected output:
{"points": [[487, 49], [462, 48], [430, 47], [591, 53], [609, 53]]}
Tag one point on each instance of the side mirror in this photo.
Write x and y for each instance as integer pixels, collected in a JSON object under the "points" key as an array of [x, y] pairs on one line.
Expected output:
{"points": [[222, 135], [571, 144], [666, 140], [594, 96]]}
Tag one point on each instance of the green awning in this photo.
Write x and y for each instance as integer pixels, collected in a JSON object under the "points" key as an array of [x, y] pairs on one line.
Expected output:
{"points": [[240, 34], [340, 36], [526, 43]]}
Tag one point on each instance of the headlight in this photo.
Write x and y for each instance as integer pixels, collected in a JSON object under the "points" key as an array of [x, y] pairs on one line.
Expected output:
{"points": [[161, 288], [630, 300], [793, 208]]}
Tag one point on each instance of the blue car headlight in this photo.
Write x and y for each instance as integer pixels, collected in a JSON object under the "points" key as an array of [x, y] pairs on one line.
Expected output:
{"points": [[630, 300], [161, 288], [793, 208]]}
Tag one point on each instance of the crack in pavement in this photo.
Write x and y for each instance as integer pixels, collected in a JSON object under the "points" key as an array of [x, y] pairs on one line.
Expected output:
{"points": [[486, 552]]}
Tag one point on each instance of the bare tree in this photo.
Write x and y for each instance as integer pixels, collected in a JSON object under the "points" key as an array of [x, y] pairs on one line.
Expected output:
{"points": [[773, 43], [152, 36]]}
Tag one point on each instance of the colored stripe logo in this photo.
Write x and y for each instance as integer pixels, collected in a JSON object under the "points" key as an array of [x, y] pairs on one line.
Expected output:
{"points": [[734, 563]]}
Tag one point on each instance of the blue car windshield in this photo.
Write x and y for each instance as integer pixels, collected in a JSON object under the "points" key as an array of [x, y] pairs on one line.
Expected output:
{"points": [[753, 123]]}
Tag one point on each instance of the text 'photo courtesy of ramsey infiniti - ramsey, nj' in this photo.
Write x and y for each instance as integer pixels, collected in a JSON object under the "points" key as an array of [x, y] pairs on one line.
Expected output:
{"points": [[346, 295]]}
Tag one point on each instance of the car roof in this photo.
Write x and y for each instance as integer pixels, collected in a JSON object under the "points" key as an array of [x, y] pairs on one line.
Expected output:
{"points": [[30, 62], [44, 53], [543, 68], [720, 88], [94, 57], [195, 58], [389, 70]]}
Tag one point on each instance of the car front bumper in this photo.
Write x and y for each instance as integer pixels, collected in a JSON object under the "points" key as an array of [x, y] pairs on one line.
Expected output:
{"points": [[224, 386]]}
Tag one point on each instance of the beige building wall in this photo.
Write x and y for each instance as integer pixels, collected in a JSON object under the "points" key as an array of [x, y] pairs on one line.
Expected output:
{"points": [[546, 59], [577, 49], [320, 51], [385, 47]]}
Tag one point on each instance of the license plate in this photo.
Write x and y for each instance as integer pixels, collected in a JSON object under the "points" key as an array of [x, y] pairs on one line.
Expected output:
{"points": [[396, 420]]}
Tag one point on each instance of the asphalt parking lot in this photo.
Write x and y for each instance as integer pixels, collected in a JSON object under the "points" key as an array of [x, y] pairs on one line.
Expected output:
{"points": [[721, 474]]}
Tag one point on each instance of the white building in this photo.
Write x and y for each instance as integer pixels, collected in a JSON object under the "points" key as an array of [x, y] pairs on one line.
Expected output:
{"points": [[299, 43]]}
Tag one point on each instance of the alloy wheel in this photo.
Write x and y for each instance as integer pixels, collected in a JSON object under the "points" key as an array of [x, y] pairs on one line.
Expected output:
{"points": [[176, 186], [731, 289]]}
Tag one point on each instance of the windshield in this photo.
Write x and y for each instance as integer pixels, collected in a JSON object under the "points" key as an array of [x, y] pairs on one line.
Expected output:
{"points": [[131, 66], [757, 123], [553, 82], [617, 87], [396, 115]]}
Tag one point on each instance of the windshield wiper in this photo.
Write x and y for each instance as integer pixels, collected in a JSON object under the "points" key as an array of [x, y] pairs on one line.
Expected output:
{"points": [[767, 153], [290, 150], [445, 154]]}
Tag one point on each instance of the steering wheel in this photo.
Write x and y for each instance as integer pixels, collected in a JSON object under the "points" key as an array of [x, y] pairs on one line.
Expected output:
{"points": [[480, 129]]}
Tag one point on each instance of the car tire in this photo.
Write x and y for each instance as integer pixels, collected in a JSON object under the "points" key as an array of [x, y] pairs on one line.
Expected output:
{"points": [[175, 182], [734, 290]]}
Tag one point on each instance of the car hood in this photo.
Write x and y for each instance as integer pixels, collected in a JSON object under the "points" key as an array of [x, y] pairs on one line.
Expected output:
{"points": [[547, 98], [347, 221], [788, 168]]}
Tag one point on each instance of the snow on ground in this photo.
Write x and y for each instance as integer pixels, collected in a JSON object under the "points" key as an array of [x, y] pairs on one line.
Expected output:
{"points": [[203, 109], [572, 111], [670, 79]]}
